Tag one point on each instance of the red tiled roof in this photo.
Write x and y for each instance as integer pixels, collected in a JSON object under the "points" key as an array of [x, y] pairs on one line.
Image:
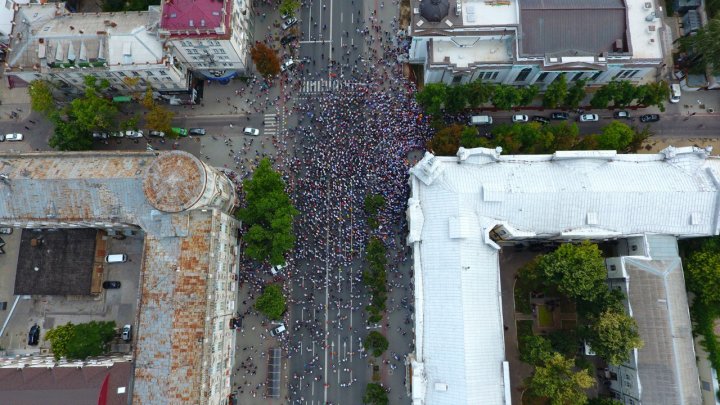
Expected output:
{"points": [[178, 14]]}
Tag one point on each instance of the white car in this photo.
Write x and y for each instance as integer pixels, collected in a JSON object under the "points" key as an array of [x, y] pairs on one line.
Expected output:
{"points": [[288, 64], [589, 117], [14, 137], [127, 333], [251, 131], [134, 134], [159, 134], [289, 23], [278, 330], [519, 118], [274, 270]]}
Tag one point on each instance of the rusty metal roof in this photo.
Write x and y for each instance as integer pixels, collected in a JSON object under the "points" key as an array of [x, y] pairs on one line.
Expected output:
{"points": [[175, 181]]}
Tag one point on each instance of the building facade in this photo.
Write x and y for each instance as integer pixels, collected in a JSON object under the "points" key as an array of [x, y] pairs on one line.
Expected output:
{"points": [[210, 38], [534, 41], [48, 42]]}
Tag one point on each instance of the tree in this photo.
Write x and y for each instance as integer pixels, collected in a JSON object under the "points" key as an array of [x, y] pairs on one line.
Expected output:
{"points": [[565, 135], [375, 394], [575, 94], [432, 97], [288, 7], [159, 118], [469, 138], [266, 60], [702, 270], [92, 111], [615, 136], [372, 205], [603, 401], [80, 341], [456, 99], [535, 350], [268, 214], [613, 335], [527, 94], [557, 381], [523, 138], [375, 343], [446, 141], [577, 270], [505, 96], [375, 278], [601, 98], [148, 101], [623, 93], [67, 136], [653, 94], [556, 92], [271, 302], [705, 44], [41, 99], [479, 93]]}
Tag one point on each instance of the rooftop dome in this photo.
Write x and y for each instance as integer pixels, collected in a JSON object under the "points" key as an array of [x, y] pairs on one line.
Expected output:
{"points": [[434, 10], [175, 181]]}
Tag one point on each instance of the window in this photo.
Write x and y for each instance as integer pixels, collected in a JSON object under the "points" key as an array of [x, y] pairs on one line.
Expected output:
{"points": [[457, 79], [542, 77], [219, 51], [149, 73], [595, 76], [121, 74], [577, 77], [8, 4], [135, 74], [487, 75], [522, 76], [163, 73]]}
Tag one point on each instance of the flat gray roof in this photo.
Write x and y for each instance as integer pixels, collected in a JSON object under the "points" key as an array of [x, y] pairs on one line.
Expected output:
{"points": [[561, 26]]}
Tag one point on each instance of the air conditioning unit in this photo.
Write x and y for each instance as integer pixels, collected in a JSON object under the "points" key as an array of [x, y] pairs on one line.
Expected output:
{"points": [[416, 10], [648, 5]]}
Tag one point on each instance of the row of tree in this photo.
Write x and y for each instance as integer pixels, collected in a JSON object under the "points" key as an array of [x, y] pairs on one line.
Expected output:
{"points": [[437, 98], [534, 138], [93, 111], [82, 340], [375, 278]]}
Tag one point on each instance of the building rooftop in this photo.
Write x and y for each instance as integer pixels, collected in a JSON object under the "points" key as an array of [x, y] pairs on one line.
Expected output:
{"points": [[464, 51], [57, 262], [196, 17], [588, 26], [458, 202], [71, 385], [658, 302], [175, 181], [47, 34]]}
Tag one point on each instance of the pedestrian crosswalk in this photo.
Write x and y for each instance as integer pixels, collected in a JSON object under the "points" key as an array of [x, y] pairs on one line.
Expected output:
{"points": [[322, 86], [270, 124]]}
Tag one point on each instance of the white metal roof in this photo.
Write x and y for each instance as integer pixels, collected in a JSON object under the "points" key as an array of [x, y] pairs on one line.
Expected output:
{"points": [[457, 201]]}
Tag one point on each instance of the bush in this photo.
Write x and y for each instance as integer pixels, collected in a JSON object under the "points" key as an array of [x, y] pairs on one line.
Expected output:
{"points": [[80, 341]]}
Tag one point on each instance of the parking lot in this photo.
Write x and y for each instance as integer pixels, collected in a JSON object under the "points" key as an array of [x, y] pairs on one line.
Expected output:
{"points": [[117, 304]]}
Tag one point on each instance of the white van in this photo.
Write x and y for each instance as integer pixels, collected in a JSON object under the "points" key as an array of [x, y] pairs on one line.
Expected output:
{"points": [[117, 258], [274, 270], [675, 93], [481, 120]]}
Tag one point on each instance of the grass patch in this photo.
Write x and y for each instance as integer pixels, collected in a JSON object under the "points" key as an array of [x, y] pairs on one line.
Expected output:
{"points": [[545, 316], [524, 328], [567, 324]]}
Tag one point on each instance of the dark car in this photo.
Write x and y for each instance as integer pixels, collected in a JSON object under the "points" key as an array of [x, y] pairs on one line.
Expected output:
{"points": [[559, 116], [197, 131], [649, 118], [34, 335], [100, 135], [540, 119], [111, 284], [621, 115], [287, 39]]}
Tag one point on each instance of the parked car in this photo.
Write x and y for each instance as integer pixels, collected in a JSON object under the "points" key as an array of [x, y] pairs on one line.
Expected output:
{"points": [[159, 134], [117, 134], [251, 131], [6, 231], [14, 137], [278, 330], [559, 116], [288, 64], [109, 285], [589, 118], [34, 335], [197, 131], [100, 135], [127, 333], [287, 39], [134, 134], [675, 93], [180, 131], [519, 118], [540, 119], [289, 23], [649, 118], [621, 115], [2, 138]]}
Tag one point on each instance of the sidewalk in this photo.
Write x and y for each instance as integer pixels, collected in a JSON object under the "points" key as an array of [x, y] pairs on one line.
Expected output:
{"points": [[14, 104]]}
